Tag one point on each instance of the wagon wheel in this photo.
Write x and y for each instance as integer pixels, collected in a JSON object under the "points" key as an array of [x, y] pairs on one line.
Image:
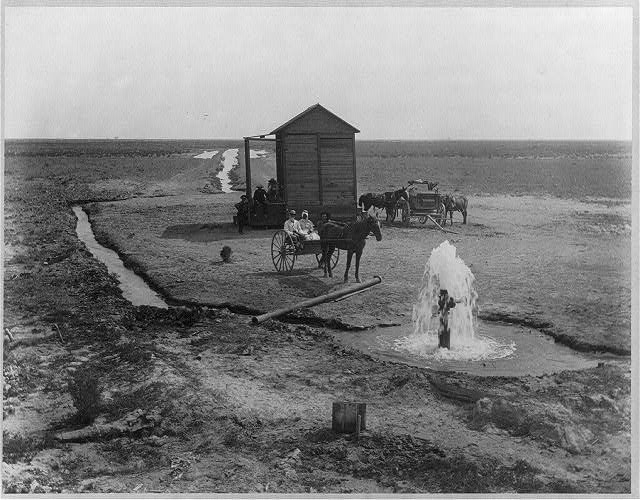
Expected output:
{"points": [[335, 256], [283, 251]]}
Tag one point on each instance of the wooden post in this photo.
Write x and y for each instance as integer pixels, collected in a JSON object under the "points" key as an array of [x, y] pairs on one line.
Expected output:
{"points": [[349, 417], [247, 167], [444, 337]]}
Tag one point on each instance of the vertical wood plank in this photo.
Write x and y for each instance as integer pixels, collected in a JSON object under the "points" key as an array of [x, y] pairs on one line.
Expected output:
{"points": [[284, 147], [355, 178], [320, 197]]}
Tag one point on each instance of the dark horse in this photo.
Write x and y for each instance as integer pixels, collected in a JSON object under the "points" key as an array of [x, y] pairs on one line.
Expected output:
{"points": [[455, 204], [350, 237], [387, 200]]}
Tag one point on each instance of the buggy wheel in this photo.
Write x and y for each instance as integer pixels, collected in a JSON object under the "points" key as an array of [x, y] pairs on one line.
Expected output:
{"points": [[335, 256], [283, 251], [406, 214]]}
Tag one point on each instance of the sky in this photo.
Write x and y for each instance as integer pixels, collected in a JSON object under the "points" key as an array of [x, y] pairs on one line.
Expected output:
{"points": [[420, 73]]}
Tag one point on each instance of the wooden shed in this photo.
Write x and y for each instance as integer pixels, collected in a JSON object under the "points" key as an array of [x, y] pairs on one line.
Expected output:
{"points": [[315, 163]]}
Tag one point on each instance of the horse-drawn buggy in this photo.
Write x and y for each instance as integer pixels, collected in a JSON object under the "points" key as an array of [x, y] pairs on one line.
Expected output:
{"points": [[285, 251], [423, 201], [334, 236]]}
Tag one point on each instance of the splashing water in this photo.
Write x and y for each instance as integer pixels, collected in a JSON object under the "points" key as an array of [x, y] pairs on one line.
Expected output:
{"points": [[445, 270]]}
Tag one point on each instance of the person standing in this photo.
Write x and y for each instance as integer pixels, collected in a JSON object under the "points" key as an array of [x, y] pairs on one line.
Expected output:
{"points": [[243, 212]]}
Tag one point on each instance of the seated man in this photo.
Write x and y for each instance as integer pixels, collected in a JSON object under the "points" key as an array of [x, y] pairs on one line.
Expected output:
{"points": [[292, 226], [306, 227], [259, 200], [272, 191]]}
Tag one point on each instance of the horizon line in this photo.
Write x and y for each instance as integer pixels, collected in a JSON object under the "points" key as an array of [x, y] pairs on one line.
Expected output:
{"points": [[240, 139]]}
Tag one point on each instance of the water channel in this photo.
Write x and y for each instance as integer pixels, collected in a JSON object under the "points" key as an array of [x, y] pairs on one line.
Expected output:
{"points": [[133, 287]]}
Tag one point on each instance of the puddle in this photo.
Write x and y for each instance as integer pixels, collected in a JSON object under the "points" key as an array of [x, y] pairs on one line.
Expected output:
{"points": [[229, 160], [207, 155], [514, 351], [133, 287]]}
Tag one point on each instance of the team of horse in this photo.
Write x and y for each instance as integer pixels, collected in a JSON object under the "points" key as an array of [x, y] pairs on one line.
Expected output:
{"points": [[388, 200]]}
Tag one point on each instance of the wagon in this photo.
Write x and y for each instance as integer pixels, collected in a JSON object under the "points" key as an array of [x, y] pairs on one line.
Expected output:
{"points": [[424, 203], [284, 252]]}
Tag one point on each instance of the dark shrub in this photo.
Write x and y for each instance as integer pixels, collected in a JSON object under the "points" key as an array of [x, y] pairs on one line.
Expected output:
{"points": [[85, 392]]}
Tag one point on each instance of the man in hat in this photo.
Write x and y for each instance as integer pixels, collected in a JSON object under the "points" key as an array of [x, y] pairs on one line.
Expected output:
{"points": [[243, 212], [260, 198], [292, 226], [272, 191]]}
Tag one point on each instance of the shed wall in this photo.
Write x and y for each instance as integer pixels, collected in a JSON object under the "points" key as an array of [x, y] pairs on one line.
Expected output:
{"points": [[336, 171], [301, 170]]}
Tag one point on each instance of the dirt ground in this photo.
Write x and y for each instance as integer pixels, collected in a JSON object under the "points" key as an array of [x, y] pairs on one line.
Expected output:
{"points": [[100, 396]]}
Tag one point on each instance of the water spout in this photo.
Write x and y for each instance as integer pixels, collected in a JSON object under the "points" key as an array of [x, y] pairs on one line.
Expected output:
{"points": [[445, 270]]}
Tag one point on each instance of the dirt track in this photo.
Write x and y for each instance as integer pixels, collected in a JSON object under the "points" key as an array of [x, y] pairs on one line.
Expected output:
{"points": [[194, 400]]}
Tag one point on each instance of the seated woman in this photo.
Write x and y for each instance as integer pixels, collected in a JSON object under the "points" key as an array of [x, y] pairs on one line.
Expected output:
{"points": [[306, 227]]}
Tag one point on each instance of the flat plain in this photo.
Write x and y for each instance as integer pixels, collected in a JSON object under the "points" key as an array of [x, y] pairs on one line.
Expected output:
{"points": [[214, 404]]}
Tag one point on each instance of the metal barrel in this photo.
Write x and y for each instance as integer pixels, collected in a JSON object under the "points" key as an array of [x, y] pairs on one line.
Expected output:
{"points": [[317, 300]]}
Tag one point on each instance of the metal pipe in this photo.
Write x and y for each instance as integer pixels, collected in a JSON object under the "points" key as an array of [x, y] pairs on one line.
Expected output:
{"points": [[441, 228], [344, 297], [317, 300]]}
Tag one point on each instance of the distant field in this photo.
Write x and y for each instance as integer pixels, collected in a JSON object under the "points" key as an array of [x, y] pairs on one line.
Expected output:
{"points": [[565, 169]]}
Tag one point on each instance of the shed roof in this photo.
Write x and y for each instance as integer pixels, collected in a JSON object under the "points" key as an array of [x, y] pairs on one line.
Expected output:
{"points": [[309, 110]]}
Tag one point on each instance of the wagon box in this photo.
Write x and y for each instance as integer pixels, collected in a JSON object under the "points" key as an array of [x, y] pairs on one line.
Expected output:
{"points": [[425, 202]]}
